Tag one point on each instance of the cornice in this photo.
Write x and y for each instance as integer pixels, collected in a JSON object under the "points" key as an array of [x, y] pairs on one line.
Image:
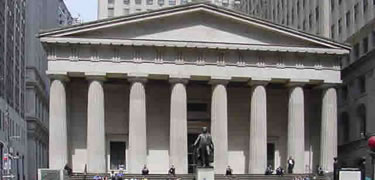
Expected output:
{"points": [[193, 44]]}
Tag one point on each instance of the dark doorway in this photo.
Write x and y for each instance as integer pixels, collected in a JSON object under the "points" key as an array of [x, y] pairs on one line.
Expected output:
{"points": [[117, 150], [271, 154]]}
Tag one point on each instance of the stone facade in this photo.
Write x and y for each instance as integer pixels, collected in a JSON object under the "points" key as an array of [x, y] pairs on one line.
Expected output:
{"points": [[114, 8], [152, 89], [40, 14]]}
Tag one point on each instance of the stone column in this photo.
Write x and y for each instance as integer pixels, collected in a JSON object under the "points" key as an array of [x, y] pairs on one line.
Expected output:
{"points": [[328, 146], [219, 125], [96, 160], [58, 139], [137, 126], [178, 150], [296, 128], [258, 130]]}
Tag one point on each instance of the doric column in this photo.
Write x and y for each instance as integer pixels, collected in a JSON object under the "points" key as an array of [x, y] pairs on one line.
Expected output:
{"points": [[96, 160], [58, 139], [137, 126], [296, 128], [219, 124], [258, 130], [178, 155], [328, 146]]}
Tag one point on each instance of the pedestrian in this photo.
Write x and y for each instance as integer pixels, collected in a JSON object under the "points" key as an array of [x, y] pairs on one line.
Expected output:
{"points": [[172, 171], [269, 170], [280, 171], [291, 164], [145, 170], [228, 171], [68, 170], [97, 177], [320, 171]]}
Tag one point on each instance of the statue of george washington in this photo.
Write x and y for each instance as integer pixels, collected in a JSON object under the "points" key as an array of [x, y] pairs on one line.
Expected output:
{"points": [[204, 149]]}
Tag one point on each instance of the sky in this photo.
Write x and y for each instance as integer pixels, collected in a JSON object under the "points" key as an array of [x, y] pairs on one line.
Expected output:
{"points": [[85, 9]]}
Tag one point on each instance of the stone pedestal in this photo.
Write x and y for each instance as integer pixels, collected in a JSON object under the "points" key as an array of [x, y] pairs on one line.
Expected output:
{"points": [[205, 174]]}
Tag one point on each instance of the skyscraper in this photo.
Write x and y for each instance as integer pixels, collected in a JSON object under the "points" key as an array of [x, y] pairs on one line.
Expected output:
{"points": [[111, 8], [344, 21], [41, 14], [12, 85]]}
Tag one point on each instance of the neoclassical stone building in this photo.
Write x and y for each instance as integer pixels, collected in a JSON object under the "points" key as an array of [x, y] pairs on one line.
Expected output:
{"points": [[137, 89]]}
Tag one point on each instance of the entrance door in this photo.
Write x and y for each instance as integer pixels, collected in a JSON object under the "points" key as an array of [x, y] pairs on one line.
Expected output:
{"points": [[117, 149], [271, 154]]}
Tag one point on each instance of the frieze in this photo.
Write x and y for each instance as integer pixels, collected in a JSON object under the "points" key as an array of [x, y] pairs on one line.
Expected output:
{"points": [[194, 57]]}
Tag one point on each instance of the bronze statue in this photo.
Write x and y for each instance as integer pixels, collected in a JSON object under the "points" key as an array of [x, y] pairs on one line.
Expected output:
{"points": [[204, 149]]}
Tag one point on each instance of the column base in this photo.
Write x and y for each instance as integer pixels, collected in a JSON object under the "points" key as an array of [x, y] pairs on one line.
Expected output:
{"points": [[205, 174]]}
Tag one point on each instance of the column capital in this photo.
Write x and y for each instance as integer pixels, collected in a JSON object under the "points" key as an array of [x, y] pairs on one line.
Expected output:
{"points": [[259, 81], [63, 76], [142, 80], [328, 86], [297, 83], [219, 80], [178, 80], [137, 77], [96, 76]]}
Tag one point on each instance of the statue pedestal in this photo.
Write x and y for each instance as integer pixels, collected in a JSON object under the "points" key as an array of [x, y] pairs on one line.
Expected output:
{"points": [[205, 174]]}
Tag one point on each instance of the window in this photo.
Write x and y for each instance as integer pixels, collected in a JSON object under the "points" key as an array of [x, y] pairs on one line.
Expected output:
{"points": [[172, 2], [310, 21], [161, 2], [111, 1], [317, 14], [333, 31], [150, 2], [340, 26], [365, 45], [345, 126], [126, 11], [332, 5], [348, 19], [356, 12], [362, 84], [365, 5], [126, 2], [304, 25], [356, 51], [183, 1], [138, 2], [361, 113], [138, 10], [111, 12], [298, 8], [340, 1], [344, 92]]}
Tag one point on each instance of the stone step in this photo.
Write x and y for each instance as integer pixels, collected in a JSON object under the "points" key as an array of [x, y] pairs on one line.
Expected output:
{"points": [[80, 176]]}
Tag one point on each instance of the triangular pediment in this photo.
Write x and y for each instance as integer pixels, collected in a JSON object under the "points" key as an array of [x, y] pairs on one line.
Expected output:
{"points": [[203, 23]]}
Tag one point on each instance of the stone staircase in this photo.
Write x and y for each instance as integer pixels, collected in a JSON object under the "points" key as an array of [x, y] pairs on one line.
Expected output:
{"points": [[81, 176]]}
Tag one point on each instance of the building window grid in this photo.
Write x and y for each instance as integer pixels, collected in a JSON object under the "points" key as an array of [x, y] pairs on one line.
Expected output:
{"points": [[138, 2], [356, 51], [356, 12], [347, 20], [365, 45]]}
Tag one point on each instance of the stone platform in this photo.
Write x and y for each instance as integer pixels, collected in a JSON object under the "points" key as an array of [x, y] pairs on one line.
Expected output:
{"points": [[205, 174], [81, 176]]}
